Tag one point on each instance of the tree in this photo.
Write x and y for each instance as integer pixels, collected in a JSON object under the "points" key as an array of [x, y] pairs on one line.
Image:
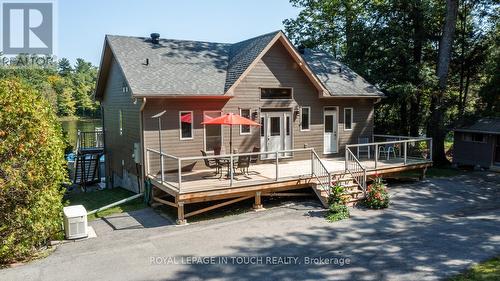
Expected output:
{"points": [[436, 124], [65, 68], [32, 170]]}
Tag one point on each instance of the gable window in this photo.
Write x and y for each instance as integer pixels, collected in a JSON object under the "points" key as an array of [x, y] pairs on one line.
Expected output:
{"points": [[348, 114], [120, 121], [186, 125], [245, 129], [305, 118], [276, 93], [213, 133], [124, 87], [474, 137]]}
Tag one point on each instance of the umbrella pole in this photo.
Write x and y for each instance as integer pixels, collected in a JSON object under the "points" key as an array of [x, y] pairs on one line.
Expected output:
{"points": [[230, 139]]}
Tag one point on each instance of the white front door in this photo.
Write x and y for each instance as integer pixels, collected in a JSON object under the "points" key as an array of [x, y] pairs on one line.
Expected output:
{"points": [[276, 133], [330, 130]]}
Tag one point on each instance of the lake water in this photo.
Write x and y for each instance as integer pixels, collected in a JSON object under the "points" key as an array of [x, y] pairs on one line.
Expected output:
{"points": [[71, 127]]}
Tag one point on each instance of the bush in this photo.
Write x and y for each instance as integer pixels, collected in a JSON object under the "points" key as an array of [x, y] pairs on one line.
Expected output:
{"points": [[337, 200], [376, 194], [32, 169]]}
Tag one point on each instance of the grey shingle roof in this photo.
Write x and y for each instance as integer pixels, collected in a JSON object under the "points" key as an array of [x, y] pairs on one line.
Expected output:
{"points": [[484, 125], [338, 78], [175, 66], [180, 67]]}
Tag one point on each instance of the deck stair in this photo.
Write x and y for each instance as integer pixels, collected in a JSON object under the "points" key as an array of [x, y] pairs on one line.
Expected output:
{"points": [[88, 152]]}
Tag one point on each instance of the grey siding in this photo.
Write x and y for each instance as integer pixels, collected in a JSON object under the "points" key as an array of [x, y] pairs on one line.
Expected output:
{"points": [[473, 153], [120, 147], [276, 69]]}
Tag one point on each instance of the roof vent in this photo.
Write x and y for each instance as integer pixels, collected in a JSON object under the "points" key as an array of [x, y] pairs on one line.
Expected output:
{"points": [[301, 48], [155, 38]]}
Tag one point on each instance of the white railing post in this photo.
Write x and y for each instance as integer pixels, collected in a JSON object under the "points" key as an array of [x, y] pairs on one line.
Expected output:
{"points": [[277, 167], [346, 148], [312, 163], [147, 163], [179, 167], [404, 151], [230, 168], [161, 169], [376, 155], [430, 149]]}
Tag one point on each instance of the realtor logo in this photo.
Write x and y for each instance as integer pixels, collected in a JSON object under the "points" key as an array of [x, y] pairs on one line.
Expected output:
{"points": [[27, 28]]}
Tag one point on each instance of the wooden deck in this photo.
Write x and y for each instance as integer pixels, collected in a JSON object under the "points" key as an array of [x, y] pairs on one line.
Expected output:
{"points": [[205, 180], [300, 169]]}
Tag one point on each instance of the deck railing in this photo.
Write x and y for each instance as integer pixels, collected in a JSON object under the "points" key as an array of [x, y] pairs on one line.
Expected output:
{"points": [[174, 171], [394, 150], [355, 169], [320, 172], [90, 140]]}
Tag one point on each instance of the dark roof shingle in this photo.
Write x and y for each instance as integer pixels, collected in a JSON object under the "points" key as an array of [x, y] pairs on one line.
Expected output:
{"points": [[484, 125], [181, 67]]}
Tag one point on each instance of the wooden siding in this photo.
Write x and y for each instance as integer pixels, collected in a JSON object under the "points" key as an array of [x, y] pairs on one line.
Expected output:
{"points": [[473, 153], [275, 69], [120, 147]]}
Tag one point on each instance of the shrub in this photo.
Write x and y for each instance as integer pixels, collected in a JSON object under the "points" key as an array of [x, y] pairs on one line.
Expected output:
{"points": [[337, 200], [32, 168], [376, 194]]}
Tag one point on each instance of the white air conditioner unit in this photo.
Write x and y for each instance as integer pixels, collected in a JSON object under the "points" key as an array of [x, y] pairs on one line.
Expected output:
{"points": [[75, 222]]}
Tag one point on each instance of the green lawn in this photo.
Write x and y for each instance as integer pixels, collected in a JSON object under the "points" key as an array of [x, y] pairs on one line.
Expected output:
{"points": [[485, 271], [99, 198]]}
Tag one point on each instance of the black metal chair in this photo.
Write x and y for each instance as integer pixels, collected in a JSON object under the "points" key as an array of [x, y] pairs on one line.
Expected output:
{"points": [[212, 164], [255, 158], [243, 164]]}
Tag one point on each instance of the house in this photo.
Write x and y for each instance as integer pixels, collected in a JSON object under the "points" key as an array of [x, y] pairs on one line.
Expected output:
{"points": [[309, 105], [478, 144]]}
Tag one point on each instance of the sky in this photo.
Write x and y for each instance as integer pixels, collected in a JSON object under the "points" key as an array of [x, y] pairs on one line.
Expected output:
{"points": [[82, 24]]}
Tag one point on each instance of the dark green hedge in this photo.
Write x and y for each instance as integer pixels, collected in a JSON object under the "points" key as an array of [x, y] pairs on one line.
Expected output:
{"points": [[32, 169]]}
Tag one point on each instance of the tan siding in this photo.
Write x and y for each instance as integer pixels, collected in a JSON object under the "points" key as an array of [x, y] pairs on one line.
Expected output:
{"points": [[276, 69], [120, 147]]}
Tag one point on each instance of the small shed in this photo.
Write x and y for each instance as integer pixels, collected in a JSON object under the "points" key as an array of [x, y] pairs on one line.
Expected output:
{"points": [[478, 144]]}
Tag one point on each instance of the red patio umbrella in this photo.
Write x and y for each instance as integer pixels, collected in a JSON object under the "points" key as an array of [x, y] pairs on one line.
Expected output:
{"points": [[230, 119]]}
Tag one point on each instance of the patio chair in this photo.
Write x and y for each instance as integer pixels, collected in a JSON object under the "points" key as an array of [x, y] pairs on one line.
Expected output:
{"points": [[255, 158], [243, 164], [363, 149], [217, 150], [212, 164], [387, 149]]}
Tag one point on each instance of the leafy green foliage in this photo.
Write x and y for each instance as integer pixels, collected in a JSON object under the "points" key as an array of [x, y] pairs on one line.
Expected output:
{"points": [[32, 170], [376, 194], [68, 89], [485, 271], [395, 44], [337, 201]]}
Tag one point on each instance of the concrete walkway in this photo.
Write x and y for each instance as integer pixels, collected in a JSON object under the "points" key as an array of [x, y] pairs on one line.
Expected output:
{"points": [[433, 229]]}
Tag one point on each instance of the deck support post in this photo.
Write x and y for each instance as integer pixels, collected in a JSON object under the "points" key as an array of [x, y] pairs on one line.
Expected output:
{"points": [[258, 202], [180, 213], [277, 166], [376, 155], [422, 174]]}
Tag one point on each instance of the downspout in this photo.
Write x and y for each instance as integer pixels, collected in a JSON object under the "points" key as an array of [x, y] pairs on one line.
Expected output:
{"points": [[141, 139]]}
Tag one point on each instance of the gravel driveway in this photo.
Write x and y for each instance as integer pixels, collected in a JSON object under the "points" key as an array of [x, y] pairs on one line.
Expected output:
{"points": [[433, 229]]}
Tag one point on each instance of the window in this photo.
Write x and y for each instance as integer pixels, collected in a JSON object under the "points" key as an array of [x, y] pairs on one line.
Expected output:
{"points": [[348, 118], [213, 133], [276, 93], [275, 126], [245, 129], [305, 118], [474, 137], [124, 87], [120, 120], [186, 124]]}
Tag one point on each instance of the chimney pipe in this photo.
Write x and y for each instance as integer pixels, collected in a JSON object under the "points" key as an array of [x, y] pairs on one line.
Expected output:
{"points": [[155, 38]]}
